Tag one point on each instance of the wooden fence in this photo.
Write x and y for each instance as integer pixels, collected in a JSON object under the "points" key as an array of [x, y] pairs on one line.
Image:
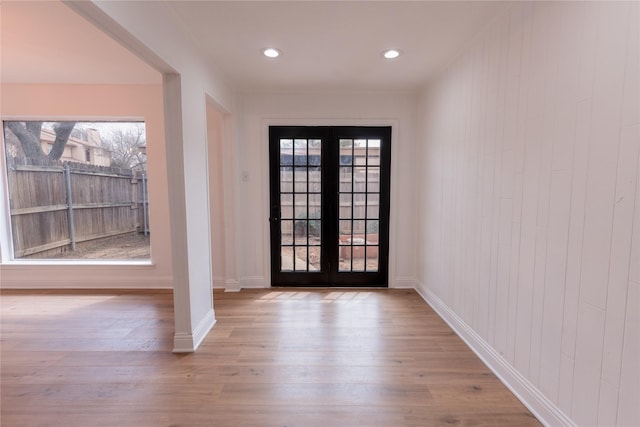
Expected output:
{"points": [[355, 205], [57, 205]]}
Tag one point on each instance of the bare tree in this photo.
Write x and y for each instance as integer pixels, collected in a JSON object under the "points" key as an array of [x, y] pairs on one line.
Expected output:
{"points": [[28, 133], [126, 146]]}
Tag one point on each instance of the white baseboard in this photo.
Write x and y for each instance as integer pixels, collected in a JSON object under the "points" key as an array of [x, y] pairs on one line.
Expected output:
{"points": [[218, 282], [544, 409], [255, 282], [184, 342], [232, 285], [403, 283]]}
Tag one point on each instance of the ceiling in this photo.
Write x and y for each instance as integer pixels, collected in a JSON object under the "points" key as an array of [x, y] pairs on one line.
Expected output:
{"points": [[47, 42], [333, 44], [326, 45]]}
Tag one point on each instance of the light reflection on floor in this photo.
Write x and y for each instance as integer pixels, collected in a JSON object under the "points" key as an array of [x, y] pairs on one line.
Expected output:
{"points": [[332, 297], [40, 307]]}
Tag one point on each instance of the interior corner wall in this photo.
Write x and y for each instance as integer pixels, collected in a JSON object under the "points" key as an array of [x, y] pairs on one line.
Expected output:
{"points": [[529, 205], [215, 126], [95, 102], [259, 110]]}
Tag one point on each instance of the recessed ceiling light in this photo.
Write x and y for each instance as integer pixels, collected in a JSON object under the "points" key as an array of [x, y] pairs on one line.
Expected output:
{"points": [[391, 53], [271, 52]]}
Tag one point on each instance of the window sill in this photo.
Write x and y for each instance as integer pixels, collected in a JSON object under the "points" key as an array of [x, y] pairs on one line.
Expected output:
{"points": [[78, 262]]}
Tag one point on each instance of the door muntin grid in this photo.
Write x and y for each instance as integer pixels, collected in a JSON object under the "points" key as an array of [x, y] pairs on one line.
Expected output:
{"points": [[300, 167], [359, 205]]}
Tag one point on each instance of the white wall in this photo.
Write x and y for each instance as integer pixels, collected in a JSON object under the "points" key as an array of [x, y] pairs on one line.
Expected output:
{"points": [[94, 102], [260, 110], [529, 209]]}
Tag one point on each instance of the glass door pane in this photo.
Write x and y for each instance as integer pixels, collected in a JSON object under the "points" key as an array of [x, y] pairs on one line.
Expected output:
{"points": [[300, 163], [359, 195]]}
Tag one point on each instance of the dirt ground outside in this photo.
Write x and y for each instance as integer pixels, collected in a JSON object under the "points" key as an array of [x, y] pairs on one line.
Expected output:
{"points": [[314, 260], [132, 246]]}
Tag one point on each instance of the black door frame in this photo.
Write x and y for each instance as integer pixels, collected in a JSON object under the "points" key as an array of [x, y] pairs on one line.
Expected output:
{"points": [[329, 274]]}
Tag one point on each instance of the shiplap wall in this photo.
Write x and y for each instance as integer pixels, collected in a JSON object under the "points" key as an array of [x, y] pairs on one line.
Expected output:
{"points": [[530, 203]]}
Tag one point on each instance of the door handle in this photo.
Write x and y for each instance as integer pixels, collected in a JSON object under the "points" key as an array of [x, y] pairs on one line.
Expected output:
{"points": [[274, 219]]}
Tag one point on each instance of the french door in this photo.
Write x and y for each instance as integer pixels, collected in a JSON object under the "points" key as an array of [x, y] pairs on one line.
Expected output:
{"points": [[329, 205]]}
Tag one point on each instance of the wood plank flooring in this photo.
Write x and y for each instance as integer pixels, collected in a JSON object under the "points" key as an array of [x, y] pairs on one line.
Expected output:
{"points": [[275, 358]]}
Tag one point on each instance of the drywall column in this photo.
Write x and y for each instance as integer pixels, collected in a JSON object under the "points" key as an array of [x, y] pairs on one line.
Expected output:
{"points": [[177, 211], [193, 303]]}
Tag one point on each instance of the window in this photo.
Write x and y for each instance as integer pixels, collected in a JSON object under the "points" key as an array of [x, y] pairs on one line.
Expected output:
{"points": [[77, 190]]}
